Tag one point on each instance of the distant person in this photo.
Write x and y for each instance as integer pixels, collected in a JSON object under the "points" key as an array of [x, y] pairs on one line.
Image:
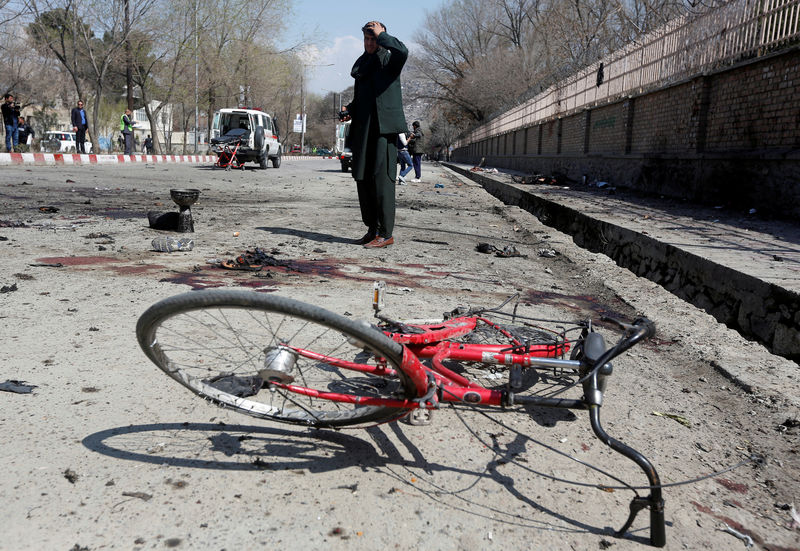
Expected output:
{"points": [[148, 145], [377, 117], [26, 133], [79, 125], [126, 127], [415, 145], [10, 112], [403, 157]]}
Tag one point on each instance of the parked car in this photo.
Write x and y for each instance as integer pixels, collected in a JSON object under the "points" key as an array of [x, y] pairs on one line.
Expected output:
{"points": [[324, 152], [259, 141], [54, 141], [296, 150]]}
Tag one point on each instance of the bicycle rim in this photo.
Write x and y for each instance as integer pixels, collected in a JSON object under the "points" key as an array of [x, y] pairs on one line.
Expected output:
{"points": [[223, 344]]}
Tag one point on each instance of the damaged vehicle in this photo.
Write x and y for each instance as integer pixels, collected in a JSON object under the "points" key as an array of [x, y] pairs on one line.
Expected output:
{"points": [[254, 129]]}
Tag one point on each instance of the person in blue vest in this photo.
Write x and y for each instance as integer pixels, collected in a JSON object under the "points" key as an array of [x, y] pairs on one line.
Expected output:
{"points": [[126, 127], [377, 117], [79, 125]]}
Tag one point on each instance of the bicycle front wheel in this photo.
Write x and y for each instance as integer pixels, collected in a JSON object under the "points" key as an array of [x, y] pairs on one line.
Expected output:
{"points": [[229, 346]]}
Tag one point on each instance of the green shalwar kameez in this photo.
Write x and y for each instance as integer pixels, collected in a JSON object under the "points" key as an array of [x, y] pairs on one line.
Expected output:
{"points": [[377, 115]]}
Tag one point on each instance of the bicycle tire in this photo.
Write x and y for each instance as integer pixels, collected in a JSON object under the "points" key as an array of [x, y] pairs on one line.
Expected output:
{"points": [[214, 342]]}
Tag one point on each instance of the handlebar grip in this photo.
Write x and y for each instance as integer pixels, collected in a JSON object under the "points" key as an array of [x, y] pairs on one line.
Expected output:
{"points": [[658, 531]]}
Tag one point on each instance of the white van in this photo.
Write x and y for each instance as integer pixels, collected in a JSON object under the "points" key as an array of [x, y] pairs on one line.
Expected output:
{"points": [[254, 128], [343, 152]]}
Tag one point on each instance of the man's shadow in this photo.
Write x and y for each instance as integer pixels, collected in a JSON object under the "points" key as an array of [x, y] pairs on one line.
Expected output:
{"points": [[310, 235]]}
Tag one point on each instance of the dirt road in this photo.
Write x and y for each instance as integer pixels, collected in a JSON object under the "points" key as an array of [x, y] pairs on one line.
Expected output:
{"points": [[109, 453]]}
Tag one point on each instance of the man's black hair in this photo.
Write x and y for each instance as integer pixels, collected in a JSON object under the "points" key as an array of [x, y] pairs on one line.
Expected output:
{"points": [[365, 29], [415, 124]]}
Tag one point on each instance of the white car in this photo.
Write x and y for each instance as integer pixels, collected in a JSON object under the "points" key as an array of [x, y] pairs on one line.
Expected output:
{"points": [[61, 142], [343, 153], [253, 129]]}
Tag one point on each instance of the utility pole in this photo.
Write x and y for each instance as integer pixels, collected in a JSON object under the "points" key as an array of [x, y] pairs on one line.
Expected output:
{"points": [[302, 112], [196, 85], [128, 55]]}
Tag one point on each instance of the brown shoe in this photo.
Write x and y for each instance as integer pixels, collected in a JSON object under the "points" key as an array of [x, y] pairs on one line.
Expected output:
{"points": [[369, 236], [380, 242]]}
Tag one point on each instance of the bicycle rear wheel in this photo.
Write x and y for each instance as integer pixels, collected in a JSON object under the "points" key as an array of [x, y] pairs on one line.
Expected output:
{"points": [[224, 345]]}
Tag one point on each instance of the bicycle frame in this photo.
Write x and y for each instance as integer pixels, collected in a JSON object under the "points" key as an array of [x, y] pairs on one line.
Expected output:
{"points": [[438, 383]]}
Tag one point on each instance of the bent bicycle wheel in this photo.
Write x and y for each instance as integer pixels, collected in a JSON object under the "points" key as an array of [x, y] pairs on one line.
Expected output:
{"points": [[239, 349]]}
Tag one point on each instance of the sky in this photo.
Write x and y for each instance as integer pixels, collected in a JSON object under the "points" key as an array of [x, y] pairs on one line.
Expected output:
{"points": [[330, 32]]}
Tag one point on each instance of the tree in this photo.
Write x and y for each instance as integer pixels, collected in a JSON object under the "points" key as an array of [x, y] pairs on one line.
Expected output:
{"points": [[86, 53]]}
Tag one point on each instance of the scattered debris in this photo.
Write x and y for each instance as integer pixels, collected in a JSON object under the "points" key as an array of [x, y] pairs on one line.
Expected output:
{"points": [[748, 541], [536, 179], [547, 253], [163, 220], [18, 387], [8, 288], [788, 424], [49, 210], [141, 495], [10, 224], [167, 244], [682, 420], [795, 524], [777, 258], [25, 277], [431, 241], [506, 252], [489, 170], [253, 261], [47, 264], [71, 475]]}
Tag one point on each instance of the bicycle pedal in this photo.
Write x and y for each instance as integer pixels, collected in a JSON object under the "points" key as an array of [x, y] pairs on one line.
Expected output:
{"points": [[420, 417]]}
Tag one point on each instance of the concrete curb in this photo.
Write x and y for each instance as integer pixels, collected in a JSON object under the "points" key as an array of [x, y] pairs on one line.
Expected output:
{"points": [[756, 308], [91, 159]]}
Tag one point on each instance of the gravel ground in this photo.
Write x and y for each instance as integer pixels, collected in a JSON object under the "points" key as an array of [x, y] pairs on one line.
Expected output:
{"points": [[109, 453]]}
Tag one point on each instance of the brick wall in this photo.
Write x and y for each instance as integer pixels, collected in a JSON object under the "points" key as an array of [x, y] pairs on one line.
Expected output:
{"points": [[708, 139]]}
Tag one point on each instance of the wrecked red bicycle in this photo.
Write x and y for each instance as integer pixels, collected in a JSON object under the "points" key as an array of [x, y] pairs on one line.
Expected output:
{"points": [[276, 358]]}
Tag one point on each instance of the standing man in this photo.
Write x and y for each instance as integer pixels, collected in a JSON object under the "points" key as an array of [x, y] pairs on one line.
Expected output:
{"points": [[377, 115], [26, 133], [126, 127], [415, 148], [11, 121], [79, 126]]}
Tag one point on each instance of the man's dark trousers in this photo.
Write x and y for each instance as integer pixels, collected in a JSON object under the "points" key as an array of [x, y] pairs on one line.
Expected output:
{"points": [[80, 139], [376, 191]]}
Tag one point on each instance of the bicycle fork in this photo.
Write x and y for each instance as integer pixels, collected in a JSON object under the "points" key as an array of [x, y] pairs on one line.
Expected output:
{"points": [[658, 535], [593, 387]]}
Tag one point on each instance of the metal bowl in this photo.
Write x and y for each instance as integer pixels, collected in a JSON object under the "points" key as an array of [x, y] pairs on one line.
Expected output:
{"points": [[184, 197]]}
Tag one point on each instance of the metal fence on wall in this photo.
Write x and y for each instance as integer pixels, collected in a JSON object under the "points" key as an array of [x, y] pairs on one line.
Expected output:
{"points": [[685, 47]]}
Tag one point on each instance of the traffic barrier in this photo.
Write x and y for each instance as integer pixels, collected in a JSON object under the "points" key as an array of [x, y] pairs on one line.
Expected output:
{"points": [[91, 159]]}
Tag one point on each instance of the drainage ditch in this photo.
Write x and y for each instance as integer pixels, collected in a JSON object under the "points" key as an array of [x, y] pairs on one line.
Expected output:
{"points": [[758, 310]]}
